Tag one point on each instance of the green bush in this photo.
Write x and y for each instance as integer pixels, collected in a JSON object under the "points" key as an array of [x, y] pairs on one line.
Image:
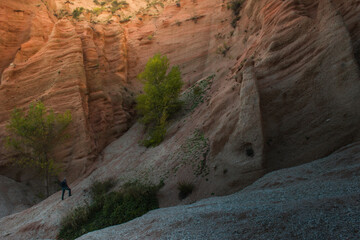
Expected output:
{"points": [[150, 37], [77, 12], [185, 189], [115, 5], [160, 99], [235, 6], [109, 208], [98, 10]]}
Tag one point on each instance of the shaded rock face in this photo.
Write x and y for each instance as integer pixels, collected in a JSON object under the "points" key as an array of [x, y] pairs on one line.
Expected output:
{"points": [[301, 202], [15, 197], [301, 55]]}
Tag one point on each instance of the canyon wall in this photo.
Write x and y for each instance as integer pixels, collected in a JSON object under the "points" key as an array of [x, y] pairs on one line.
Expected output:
{"points": [[286, 80], [69, 66], [279, 87]]}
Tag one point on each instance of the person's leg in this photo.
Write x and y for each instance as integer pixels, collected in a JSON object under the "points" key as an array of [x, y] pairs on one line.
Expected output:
{"points": [[69, 191], [62, 196]]}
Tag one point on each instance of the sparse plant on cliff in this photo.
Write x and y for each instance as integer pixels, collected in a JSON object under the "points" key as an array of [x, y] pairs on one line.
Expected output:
{"points": [[33, 137], [126, 19], [98, 10], [150, 37], [223, 49], [235, 6], [62, 13], [195, 95], [77, 12], [161, 97], [115, 5]]}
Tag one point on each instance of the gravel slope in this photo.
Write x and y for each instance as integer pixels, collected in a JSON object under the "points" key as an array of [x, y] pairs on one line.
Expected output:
{"points": [[319, 200]]}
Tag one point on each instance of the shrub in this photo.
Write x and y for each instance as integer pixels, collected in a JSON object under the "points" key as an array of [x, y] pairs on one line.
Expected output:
{"points": [[185, 189], [150, 37], [115, 5], [197, 91], [235, 6], [223, 49], [98, 189], [109, 208], [77, 12], [98, 10], [62, 13], [127, 19]]}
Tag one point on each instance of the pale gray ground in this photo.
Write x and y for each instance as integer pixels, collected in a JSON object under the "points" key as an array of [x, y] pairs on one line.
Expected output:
{"points": [[319, 200]]}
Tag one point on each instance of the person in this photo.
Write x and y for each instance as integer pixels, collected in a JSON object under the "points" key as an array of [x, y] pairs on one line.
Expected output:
{"points": [[64, 187]]}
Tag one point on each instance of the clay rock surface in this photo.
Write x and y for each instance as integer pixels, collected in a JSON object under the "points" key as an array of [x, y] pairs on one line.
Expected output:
{"points": [[67, 65], [282, 89], [290, 65], [319, 200], [15, 197]]}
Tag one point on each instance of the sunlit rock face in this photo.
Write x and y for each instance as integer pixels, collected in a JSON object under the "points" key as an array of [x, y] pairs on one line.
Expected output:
{"points": [[67, 65]]}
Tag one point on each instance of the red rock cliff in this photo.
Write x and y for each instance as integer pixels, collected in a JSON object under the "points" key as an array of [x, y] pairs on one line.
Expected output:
{"points": [[285, 92], [67, 65], [286, 88]]}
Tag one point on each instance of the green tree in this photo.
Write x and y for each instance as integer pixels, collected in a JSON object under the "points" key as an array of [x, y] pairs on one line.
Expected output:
{"points": [[161, 97], [33, 137]]}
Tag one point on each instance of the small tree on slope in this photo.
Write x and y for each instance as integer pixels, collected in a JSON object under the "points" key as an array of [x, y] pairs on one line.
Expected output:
{"points": [[160, 98], [33, 137]]}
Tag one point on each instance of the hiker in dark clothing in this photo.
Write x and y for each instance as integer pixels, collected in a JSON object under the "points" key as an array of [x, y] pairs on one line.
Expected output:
{"points": [[64, 187]]}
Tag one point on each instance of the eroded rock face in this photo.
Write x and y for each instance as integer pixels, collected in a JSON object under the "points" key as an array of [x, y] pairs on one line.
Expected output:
{"points": [[307, 79], [67, 65], [285, 92]]}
